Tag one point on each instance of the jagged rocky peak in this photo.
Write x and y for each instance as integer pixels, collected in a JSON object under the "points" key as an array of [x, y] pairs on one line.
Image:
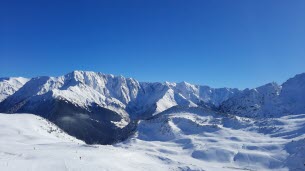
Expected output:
{"points": [[252, 102], [150, 98], [216, 96], [272, 88], [202, 94], [269, 100], [110, 86], [293, 94], [9, 86], [295, 84], [188, 90]]}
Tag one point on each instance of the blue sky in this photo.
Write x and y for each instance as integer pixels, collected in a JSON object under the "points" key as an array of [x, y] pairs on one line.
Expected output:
{"points": [[221, 43]]}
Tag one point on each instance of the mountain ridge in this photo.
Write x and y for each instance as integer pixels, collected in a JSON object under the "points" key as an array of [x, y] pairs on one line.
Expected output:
{"points": [[103, 102]]}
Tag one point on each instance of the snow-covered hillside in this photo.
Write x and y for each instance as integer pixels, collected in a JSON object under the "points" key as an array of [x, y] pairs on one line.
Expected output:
{"points": [[196, 139], [180, 139], [29, 142]]}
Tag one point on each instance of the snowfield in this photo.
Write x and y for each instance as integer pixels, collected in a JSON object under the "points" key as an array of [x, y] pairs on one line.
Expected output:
{"points": [[29, 142], [186, 140]]}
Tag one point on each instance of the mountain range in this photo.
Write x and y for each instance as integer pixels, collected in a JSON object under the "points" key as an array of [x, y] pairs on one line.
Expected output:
{"points": [[104, 109]]}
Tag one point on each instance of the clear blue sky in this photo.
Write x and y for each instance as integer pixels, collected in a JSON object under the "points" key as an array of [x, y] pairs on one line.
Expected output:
{"points": [[232, 43]]}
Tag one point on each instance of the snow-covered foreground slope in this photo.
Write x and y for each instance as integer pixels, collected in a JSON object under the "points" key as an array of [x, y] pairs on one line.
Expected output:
{"points": [[29, 142], [197, 139], [182, 139]]}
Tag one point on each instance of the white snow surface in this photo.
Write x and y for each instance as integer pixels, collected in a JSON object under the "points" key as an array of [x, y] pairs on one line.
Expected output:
{"points": [[185, 140], [29, 142]]}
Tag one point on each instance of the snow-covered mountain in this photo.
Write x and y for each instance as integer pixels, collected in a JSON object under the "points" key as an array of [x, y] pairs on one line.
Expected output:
{"points": [[9, 86], [292, 96], [254, 102], [87, 105], [270, 100], [175, 126], [101, 108], [83, 88], [108, 102]]}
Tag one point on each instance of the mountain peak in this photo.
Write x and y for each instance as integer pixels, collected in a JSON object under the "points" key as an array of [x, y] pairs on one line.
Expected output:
{"points": [[10, 85], [298, 79]]}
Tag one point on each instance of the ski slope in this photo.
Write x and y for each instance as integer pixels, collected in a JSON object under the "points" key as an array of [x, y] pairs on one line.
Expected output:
{"points": [[185, 140], [29, 142]]}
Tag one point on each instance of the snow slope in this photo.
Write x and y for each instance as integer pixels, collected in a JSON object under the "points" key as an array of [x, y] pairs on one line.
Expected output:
{"points": [[29, 142], [180, 139], [198, 139]]}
